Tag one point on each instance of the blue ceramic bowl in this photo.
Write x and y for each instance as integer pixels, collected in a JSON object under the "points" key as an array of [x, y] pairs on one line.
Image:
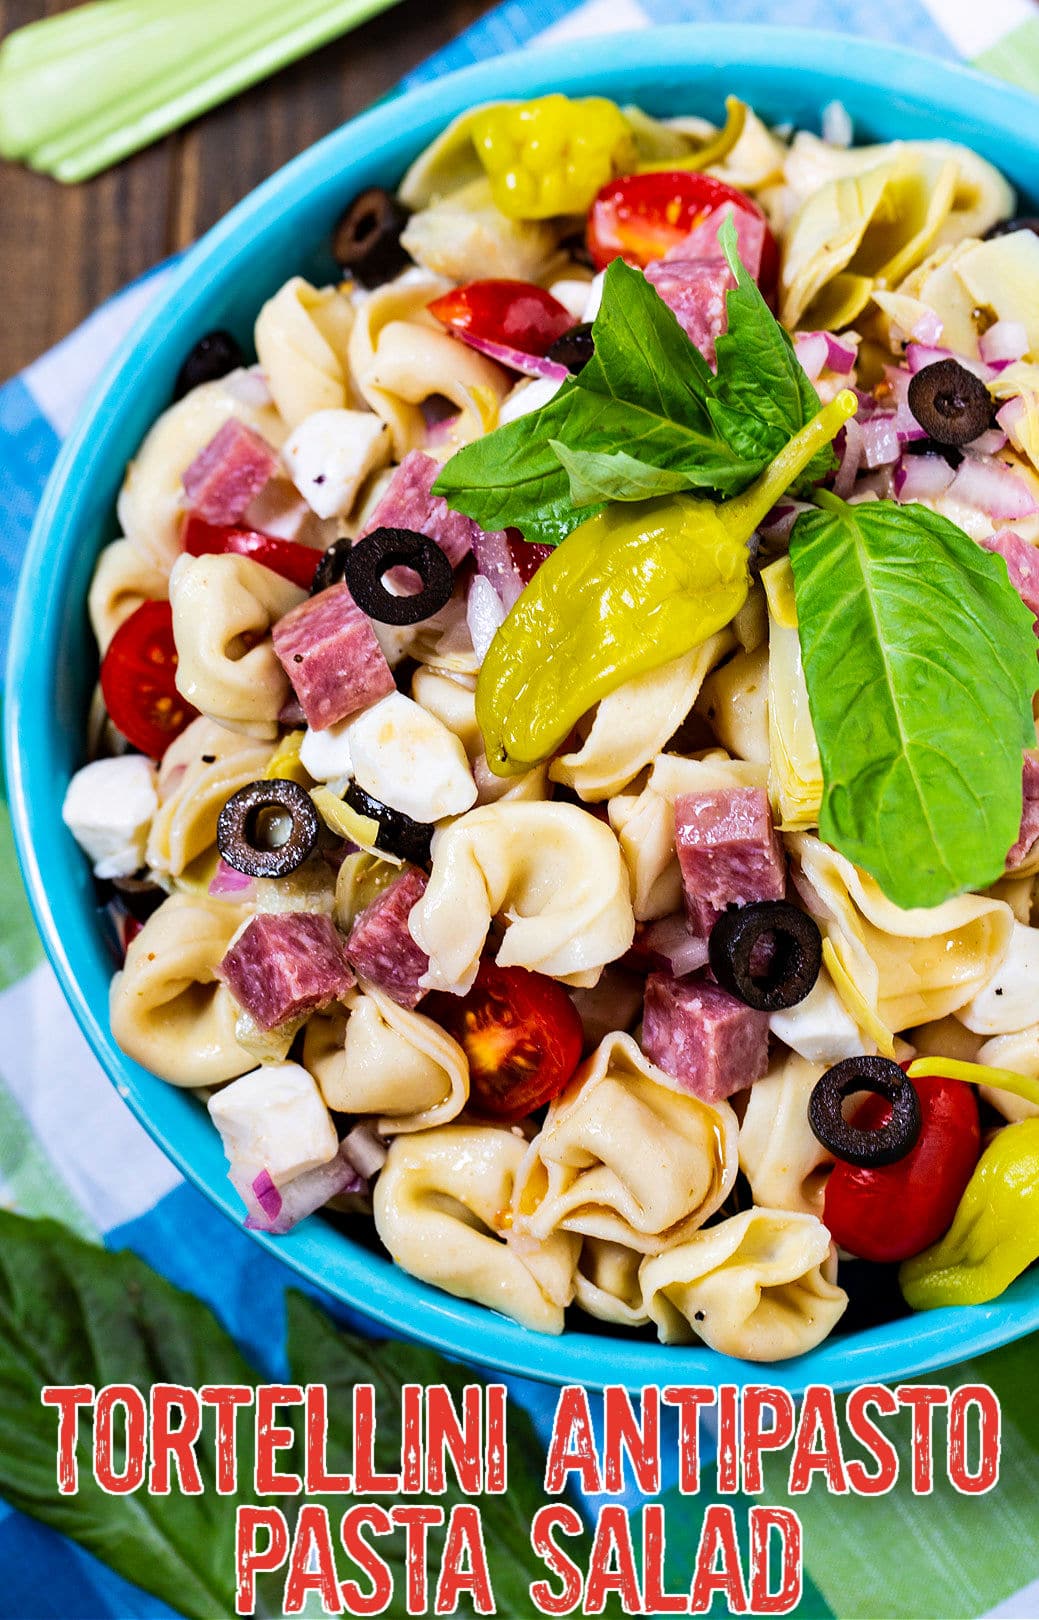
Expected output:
{"points": [[278, 231]]}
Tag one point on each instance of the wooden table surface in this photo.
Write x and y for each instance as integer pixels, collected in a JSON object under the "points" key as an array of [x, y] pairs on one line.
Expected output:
{"points": [[63, 249]]}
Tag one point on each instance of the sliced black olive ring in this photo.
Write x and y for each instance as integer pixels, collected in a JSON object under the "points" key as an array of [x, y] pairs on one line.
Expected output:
{"points": [[250, 831], [331, 570], [950, 403], [869, 1149], [797, 954], [366, 241], [398, 833], [574, 349], [213, 356], [365, 565]]}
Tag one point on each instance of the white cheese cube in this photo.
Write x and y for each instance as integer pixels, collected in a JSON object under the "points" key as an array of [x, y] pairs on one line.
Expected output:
{"points": [[1010, 1000], [331, 453], [593, 302], [326, 754], [527, 397], [573, 295], [108, 809], [408, 759], [820, 1029], [274, 1119]]}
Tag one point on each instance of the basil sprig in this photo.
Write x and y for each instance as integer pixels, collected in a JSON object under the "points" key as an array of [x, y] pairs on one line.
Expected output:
{"points": [[645, 417], [920, 662]]}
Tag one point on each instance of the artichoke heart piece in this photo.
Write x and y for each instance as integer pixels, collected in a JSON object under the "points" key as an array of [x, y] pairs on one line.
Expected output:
{"points": [[974, 284], [795, 772]]}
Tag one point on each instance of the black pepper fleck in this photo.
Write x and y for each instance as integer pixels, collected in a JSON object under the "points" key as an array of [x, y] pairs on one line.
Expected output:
{"points": [[699, 1316], [320, 478], [998, 992], [297, 658], [209, 759]]}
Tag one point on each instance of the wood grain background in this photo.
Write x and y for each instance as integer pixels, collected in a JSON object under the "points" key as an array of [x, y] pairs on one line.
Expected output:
{"points": [[65, 249]]}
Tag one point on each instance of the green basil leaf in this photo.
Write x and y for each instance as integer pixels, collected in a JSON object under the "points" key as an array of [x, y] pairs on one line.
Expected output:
{"points": [[71, 1313], [597, 476], [920, 662]]}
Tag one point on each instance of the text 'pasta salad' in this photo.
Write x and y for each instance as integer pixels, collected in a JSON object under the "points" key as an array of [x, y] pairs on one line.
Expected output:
{"points": [[564, 773]]}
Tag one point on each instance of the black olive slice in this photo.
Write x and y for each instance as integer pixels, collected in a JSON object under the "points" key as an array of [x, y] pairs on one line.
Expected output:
{"points": [[1007, 227], [736, 947], [331, 570], [213, 356], [366, 241], [950, 403], [574, 349], [865, 1148], [246, 833], [365, 565], [398, 833]]}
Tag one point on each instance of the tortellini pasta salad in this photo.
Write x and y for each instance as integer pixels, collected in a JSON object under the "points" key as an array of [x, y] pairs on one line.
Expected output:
{"points": [[564, 781]]}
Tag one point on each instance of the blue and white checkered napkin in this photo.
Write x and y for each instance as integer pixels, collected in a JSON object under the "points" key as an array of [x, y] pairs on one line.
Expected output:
{"points": [[68, 1146]]}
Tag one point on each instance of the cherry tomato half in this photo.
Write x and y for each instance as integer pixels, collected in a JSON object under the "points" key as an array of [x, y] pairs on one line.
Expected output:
{"points": [[137, 680], [522, 1035], [900, 1209], [641, 216], [294, 562], [514, 313], [526, 557]]}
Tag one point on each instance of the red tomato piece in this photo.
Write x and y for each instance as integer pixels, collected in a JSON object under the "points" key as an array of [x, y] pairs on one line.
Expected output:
{"points": [[639, 217], [526, 557], [898, 1210], [522, 1035], [294, 562], [516, 314], [138, 680]]}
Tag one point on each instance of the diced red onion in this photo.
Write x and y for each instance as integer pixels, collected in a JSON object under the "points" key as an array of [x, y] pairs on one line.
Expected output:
{"points": [[671, 941], [267, 1195], [291, 713], [841, 354], [811, 350], [226, 880], [989, 443], [851, 460], [919, 355], [1009, 416], [494, 561], [365, 1150], [779, 522], [1006, 341], [440, 430], [531, 365], [928, 329], [880, 444], [279, 510], [485, 614], [301, 1196], [922, 478], [993, 488]]}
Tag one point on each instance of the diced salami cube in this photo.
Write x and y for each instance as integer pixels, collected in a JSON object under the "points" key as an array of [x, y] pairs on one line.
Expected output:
{"points": [[229, 472], [694, 290], [1029, 833], [728, 852], [702, 242], [711, 1043], [1022, 562], [380, 946], [330, 653], [408, 503], [286, 964]]}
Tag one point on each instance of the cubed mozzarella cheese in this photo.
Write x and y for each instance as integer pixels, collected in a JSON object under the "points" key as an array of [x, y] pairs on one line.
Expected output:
{"points": [[326, 754], [1010, 1000], [527, 397], [274, 1119], [820, 1029], [594, 299], [331, 453], [108, 809], [573, 295], [408, 759]]}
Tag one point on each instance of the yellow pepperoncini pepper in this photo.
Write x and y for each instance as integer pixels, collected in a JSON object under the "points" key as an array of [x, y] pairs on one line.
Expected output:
{"points": [[994, 1236], [714, 149], [550, 156], [629, 590]]}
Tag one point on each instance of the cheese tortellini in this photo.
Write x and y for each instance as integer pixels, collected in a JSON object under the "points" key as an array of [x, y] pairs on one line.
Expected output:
{"points": [[441, 1202], [123, 579], [169, 1009], [779, 1154], [553, 873], [302, 335], [626, 1155], [759, 1285], [382, 1059], [223, 610], [199, 772]]}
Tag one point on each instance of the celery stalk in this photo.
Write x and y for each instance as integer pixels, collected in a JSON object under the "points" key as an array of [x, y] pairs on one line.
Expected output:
{"points": [[80, 91]]}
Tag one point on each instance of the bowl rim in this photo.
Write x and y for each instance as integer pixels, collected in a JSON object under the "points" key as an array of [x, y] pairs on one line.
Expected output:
{"points": [[399, 1302]]}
